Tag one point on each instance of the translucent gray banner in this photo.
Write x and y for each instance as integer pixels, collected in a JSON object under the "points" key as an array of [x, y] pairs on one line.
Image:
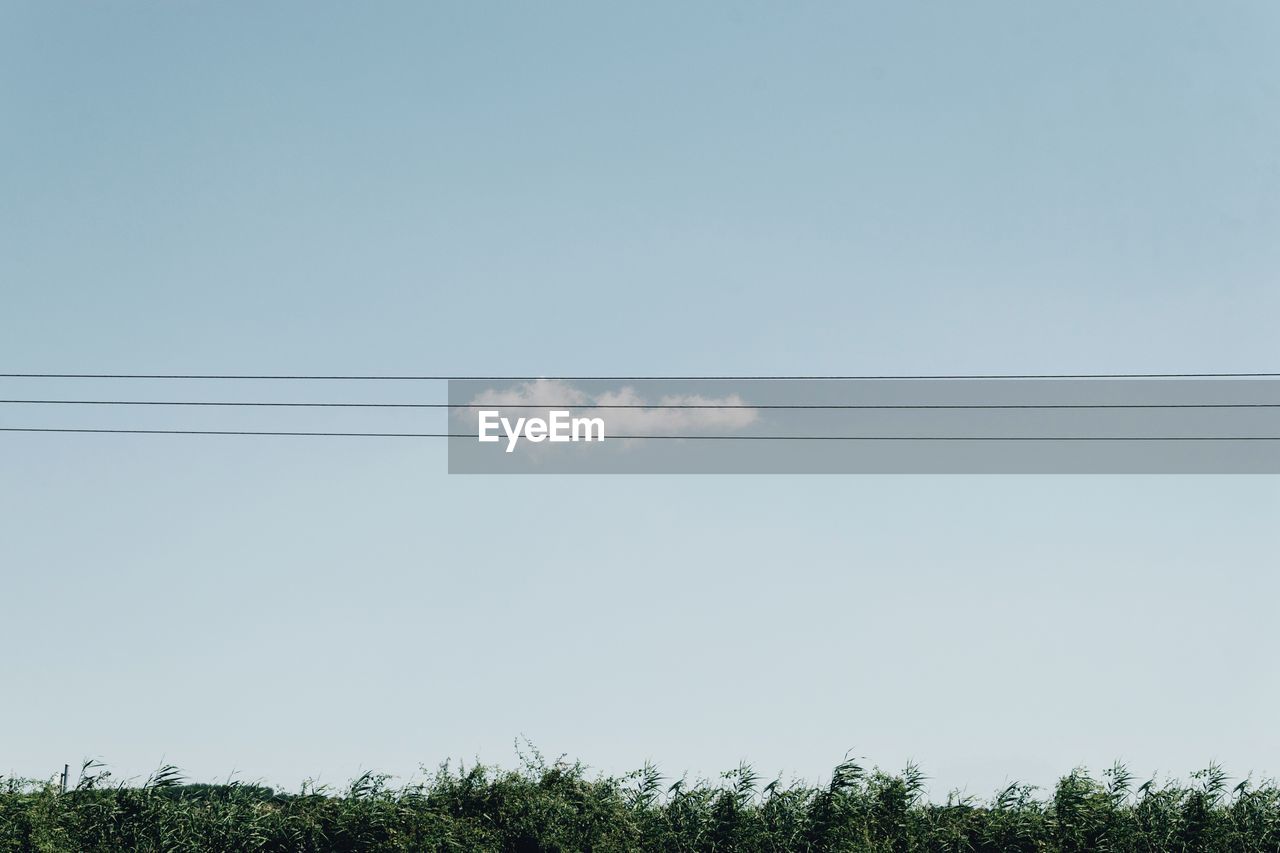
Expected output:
{"points": [[978, 426]]}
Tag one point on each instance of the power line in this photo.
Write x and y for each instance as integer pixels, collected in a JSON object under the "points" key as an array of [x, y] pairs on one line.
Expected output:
{"points": [[331, 405], [668, 437], [442, 378], [239, 432]]}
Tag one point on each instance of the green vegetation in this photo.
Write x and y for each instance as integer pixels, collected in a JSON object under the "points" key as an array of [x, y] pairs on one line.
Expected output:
{"points": [[559, 807]]}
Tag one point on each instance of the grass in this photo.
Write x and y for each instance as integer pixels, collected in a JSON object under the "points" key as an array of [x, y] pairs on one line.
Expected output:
{"points": [[560, 807]]}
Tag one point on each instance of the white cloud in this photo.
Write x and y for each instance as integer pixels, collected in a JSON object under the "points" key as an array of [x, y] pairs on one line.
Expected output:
{"points": [[642, 417]]}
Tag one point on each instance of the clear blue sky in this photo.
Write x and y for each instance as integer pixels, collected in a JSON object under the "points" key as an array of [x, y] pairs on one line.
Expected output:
{"points": [[914, 187]]}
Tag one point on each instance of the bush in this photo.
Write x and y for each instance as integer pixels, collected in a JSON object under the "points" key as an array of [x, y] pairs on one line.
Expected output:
{"points": [[558, 807]]}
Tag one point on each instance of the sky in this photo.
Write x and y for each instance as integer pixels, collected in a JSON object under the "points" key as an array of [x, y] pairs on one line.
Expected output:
{"points": [[659, 188]]}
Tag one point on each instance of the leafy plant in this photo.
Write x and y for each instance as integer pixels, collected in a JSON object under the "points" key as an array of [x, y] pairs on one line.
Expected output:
{"points": [[558, 806]]}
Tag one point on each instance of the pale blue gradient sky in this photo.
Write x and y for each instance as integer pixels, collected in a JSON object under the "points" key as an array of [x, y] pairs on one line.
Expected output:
{"points": [[564, 188]]}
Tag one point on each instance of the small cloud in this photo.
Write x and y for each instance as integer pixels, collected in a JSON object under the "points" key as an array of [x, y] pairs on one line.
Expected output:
{"points": [[625, 411]]}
